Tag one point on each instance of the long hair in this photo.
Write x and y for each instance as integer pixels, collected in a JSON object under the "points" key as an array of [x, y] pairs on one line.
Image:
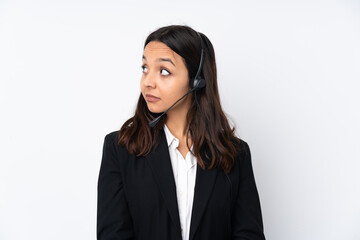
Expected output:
{"points": [[139, 138]]}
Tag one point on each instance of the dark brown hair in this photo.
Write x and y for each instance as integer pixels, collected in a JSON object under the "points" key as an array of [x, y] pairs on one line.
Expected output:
{"points": [[139, 138]]}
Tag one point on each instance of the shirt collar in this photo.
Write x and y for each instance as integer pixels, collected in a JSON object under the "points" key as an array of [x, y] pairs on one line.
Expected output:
{"points": [[174, 143], [171, 138]]}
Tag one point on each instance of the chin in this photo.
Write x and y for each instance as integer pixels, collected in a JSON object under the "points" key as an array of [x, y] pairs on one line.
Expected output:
{"points": [[155, 109]]}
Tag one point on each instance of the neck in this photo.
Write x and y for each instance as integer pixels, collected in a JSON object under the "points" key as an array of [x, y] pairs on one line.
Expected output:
{"points": [[176, 120]]}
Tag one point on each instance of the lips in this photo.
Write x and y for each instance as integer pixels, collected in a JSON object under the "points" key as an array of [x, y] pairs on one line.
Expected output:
{"points": [[151, 96]]}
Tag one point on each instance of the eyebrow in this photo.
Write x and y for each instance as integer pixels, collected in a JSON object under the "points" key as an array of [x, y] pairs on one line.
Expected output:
{"points": [[162, 59]]}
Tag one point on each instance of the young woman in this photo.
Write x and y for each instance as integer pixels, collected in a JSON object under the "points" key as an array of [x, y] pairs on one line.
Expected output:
{"points": [[176, 170]]}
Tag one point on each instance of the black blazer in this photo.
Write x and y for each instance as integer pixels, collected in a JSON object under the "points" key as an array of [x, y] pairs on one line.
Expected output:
{"points": [[137, 197]]}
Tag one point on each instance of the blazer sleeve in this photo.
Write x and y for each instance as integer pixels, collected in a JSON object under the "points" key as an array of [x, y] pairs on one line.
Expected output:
{"points": [[247, 221], [114, 221]]}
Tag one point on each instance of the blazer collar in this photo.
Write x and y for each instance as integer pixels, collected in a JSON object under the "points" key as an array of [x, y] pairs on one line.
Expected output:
{"points": [[160, 163]]}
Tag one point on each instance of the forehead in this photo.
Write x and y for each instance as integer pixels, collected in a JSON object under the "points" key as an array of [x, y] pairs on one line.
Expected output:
{"points": [[155, 49]]}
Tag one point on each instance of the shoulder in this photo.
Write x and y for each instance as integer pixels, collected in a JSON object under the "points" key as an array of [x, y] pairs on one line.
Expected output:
{"points": [[242, 147], [112, 136], [243, 155], [111, 140]]}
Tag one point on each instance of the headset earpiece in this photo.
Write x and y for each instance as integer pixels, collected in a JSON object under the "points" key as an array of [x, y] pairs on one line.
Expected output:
{"points": [[199, 81]]}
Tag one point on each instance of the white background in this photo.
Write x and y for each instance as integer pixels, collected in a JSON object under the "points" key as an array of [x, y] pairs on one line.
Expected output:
{"points": [[288, 74]]}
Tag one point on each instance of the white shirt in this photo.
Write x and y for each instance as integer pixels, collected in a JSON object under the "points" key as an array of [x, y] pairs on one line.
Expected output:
{"points": [[184, 174]]}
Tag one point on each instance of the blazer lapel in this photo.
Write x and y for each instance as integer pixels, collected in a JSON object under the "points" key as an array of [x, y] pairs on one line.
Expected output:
{"points": [[205, 180], [160, 163]]}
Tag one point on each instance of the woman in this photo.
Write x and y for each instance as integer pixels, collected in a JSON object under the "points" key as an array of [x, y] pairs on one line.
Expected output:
{"points": [[176, 170]]}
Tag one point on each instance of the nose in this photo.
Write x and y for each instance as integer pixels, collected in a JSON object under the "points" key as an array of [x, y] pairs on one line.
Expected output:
{"points": [[149, 79]]}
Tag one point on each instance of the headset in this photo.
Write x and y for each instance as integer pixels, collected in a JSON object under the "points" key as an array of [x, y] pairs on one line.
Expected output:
{"points": [[199, 82], [196, 84]]}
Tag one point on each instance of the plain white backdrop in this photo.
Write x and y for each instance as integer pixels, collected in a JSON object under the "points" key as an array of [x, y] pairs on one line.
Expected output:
{"points": [[288, 74]]}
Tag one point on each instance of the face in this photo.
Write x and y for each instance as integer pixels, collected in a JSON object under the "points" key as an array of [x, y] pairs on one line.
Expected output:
{"points": [[164, 76]]}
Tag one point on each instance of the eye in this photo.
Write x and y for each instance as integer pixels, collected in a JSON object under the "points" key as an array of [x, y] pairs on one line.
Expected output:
{"points": [[143, 67], [168, 73]]}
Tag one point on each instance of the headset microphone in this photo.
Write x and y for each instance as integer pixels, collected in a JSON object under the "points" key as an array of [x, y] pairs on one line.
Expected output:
{"points": [[156, 120]]}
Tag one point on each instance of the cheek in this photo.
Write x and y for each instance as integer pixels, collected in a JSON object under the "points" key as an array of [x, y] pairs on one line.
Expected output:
{"points": [[179, 85], [175, 94], [171, 93]]}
